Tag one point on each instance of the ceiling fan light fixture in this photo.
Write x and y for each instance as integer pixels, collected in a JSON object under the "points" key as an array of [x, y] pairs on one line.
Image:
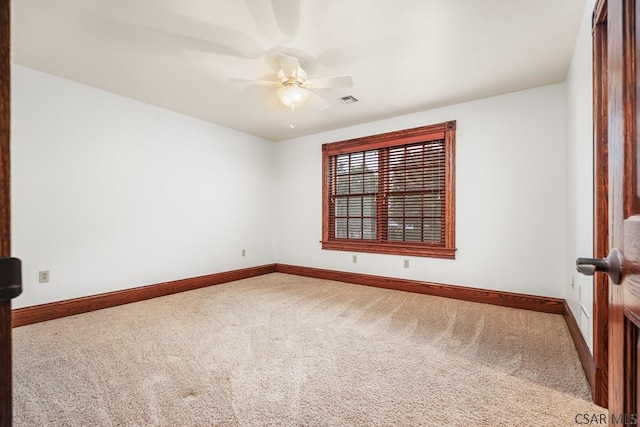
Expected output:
{"points": [[292, 95]]}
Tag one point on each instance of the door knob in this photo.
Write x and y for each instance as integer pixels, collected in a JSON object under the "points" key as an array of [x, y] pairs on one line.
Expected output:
{"points": [[612, 265]]}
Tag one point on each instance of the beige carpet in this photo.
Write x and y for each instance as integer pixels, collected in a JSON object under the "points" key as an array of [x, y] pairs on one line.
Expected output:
{"points": [[281, 350]]}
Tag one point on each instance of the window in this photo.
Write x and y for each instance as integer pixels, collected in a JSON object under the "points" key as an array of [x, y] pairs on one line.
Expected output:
{"points": [[391, 193]]}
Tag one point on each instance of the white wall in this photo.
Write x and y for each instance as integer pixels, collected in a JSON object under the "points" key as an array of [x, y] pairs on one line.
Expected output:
{"points": [[580, 176], [110, 193], [510, 196]]}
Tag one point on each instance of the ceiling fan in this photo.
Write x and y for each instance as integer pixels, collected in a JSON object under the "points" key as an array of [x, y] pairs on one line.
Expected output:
{"points": [[293, 85]]}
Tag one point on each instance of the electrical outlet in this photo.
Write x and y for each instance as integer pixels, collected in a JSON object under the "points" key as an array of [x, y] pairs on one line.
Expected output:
{"points": [[354, 259], [405, 263], [244, 252], [43, 276]]}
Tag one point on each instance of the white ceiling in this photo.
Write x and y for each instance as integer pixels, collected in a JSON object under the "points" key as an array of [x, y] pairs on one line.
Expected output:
{"points": [[404, 55]]}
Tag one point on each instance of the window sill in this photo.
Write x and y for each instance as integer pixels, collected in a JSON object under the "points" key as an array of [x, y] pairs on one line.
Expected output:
{"points": [[390, 248]]}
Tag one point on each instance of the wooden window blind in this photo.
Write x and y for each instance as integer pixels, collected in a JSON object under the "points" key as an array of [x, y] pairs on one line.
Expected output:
{"points": [[391, 193]]}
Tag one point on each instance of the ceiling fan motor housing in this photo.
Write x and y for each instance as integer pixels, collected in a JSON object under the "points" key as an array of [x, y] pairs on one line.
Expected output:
{"points": [[299, 78]]}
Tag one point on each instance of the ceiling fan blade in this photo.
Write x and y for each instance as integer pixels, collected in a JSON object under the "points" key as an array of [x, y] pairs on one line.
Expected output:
{"points": [[161, 28], [264, 20], [318, 102], [287, 13], [255, 82], [329, 82], [290, 65], [276, 20], [242, 47]]}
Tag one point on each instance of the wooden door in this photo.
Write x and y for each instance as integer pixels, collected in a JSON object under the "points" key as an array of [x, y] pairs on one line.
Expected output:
{"points": [[624, 208], [5, 229]]}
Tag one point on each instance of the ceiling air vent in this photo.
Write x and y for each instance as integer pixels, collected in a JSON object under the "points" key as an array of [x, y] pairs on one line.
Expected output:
{"points": [[348, 99]]}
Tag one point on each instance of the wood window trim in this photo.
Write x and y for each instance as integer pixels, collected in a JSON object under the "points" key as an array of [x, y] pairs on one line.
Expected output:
{"points": [[446, 131]]}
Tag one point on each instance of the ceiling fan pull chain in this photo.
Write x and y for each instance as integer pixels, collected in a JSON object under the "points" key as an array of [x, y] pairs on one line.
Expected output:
{"points": [[293, 107]]}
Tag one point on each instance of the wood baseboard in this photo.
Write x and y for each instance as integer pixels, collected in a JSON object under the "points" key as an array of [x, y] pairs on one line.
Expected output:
{"points": [[58, 309], [586, 358], [506, 299], [55, 310]]}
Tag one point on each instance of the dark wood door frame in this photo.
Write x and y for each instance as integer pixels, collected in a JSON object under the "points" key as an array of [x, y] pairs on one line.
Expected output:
{"points": [[616, 131], [599, 387], [6, 407]]}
